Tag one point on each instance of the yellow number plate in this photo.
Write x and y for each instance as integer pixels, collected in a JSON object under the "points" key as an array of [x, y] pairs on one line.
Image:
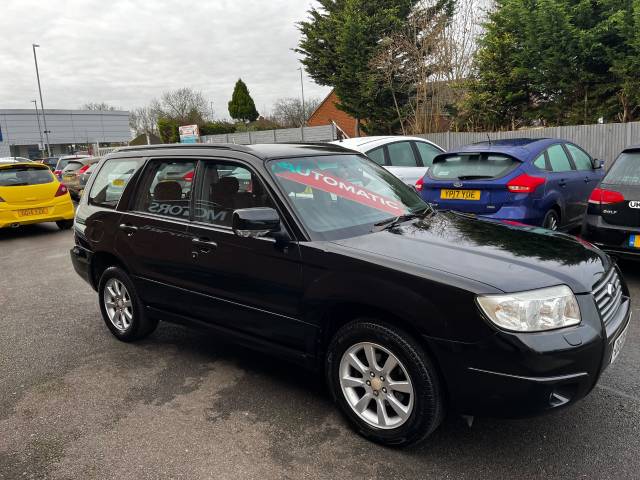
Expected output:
{"points": [[32, 212], [447, 194], [118, 182]]}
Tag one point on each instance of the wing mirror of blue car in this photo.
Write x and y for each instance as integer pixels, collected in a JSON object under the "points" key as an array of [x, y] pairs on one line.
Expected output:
{"points": [[596, 164], [255, 222]]}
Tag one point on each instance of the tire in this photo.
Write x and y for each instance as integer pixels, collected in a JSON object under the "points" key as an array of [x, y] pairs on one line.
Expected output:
{"points": [[127, 320], [421, 394], [64, 224], [551, 220]]}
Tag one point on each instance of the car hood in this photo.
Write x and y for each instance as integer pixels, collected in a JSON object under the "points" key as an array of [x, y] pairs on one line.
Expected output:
{"points": [[507, 257]]}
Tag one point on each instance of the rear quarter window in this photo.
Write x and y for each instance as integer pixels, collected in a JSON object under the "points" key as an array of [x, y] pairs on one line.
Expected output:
{"points": [[111, 180], [472, 165]]}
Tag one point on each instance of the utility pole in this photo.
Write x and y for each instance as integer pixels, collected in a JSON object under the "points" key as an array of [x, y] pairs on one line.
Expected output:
{"points": [[211, 104], [304, 113], [44, 116], [35, 102]]}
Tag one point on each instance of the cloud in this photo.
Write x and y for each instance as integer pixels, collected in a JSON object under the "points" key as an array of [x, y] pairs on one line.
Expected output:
{"points": [[126, 53]]}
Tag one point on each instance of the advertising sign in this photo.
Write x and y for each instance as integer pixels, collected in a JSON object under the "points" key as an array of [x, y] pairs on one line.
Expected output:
{"points": [[189, 134]]}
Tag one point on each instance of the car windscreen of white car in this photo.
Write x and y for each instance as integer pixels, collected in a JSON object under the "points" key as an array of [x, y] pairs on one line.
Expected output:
{"points": [[340, 196], [469, 166], [22, 175]]}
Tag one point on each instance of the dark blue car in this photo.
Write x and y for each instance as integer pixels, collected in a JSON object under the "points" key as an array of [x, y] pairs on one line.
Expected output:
{"points": [[544, 182]]}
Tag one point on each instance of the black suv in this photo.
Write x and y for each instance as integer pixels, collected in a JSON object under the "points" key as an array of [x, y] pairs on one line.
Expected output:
{"points": [[318, 255]]}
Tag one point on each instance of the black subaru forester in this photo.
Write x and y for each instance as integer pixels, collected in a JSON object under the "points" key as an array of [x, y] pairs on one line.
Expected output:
{"points": [[317, 255]]}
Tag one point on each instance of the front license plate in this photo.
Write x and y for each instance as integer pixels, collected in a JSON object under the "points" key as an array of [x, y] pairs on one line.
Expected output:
{"points": [[447, 194], [618, 344], [634, 241], [30, 212]]}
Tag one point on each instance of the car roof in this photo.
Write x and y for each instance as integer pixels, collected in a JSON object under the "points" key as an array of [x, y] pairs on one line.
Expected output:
{"points": [[520, 148], [264, 151], [631, 148], [363, 144]]}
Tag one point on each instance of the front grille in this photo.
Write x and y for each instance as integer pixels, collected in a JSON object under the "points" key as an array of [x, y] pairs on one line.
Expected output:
{"points": [[608, 299]]}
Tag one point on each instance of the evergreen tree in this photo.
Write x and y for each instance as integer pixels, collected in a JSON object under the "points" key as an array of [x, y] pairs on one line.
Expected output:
{"points": [[241, 106]]}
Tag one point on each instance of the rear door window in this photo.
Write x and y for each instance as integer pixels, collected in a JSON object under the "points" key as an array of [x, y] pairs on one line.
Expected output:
{"points": [[625, 170], [165, 188], [472, 166], [22, 175], [401, 155], [427, 152], [580, 157], [558, 159], [111, 180]]}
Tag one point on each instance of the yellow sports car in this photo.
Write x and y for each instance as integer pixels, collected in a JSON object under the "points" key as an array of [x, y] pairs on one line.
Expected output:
{"points": [[30, 193]]}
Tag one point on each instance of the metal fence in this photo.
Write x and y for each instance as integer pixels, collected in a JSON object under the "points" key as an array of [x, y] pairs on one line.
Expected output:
{"points": [[324, 133], [603, 141]]}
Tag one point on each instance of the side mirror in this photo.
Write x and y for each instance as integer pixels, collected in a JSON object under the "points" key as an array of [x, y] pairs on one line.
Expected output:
{"points": [[596, 164], [255, 222]]}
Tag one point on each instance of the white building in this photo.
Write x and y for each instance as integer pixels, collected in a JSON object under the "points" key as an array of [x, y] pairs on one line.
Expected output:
{"points": [[70, 130]]}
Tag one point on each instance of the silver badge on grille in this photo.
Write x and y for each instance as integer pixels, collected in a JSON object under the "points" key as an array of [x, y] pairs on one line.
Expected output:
{"points": [[610, 289], [457, 184]]}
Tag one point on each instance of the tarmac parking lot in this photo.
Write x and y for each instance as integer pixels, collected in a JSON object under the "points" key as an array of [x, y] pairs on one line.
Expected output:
{"points": [[76, 403]]}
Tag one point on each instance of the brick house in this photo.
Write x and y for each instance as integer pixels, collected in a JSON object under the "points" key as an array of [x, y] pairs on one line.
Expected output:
{"points": [[328, 112]]}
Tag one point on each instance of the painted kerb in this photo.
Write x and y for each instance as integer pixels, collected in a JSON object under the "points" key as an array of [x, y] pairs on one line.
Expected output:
{"points": [[602, 141], [324, 133]]}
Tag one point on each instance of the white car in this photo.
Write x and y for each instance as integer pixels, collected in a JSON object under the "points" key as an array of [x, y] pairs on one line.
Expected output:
{"points": [[408, 158]]}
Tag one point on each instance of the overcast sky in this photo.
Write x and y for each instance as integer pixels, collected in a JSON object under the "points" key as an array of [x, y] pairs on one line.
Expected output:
{"points": [[125, 53]]}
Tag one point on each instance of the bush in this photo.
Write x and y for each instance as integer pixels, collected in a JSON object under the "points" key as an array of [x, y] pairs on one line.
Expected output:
{"points": [[168, 130], [217, 128]]}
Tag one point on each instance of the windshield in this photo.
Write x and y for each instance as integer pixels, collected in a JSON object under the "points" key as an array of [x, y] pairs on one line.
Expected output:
{"points": [[625, 170], [471, 165], [24, 175], [340, 196]]}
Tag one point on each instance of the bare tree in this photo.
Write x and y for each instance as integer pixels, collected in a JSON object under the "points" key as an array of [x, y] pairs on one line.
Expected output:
{"points": [[185, 105], [143, 120], [98, 106], [287, 112]]}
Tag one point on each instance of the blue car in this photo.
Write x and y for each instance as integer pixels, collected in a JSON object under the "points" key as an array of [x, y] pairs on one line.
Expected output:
{"points": [[543, 182]]}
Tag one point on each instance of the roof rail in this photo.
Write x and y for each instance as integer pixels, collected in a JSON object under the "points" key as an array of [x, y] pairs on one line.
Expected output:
{"points": [[162, 146]]}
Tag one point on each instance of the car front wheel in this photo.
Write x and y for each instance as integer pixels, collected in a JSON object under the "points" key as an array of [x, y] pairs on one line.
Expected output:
{"points": [[384, 382], [122, 310]]}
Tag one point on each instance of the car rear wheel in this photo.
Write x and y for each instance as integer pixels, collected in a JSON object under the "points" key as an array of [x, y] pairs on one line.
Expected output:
{"points": [[551, 220], [122, 311], [64, 224], [384, 383]]}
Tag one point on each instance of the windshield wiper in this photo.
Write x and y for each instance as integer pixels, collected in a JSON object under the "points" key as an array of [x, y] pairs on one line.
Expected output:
{"points": [[473, 177], [394, 221]]}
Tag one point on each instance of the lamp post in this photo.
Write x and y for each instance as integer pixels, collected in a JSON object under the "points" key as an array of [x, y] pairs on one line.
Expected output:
{"points": [[35, 102], [44, 116], [304, 113]]}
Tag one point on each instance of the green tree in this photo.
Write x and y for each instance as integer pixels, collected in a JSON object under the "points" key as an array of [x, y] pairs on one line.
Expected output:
{"points": [[168, 130], [241, 106], [338, 43]]}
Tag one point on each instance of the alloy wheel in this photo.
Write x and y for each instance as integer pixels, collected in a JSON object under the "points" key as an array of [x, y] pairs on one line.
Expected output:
{"points": [[118, 305], [376, 385]]}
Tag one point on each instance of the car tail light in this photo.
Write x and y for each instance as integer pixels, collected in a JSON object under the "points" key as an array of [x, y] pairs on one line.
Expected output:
{"points": [[420, 184], [57, 172], [524, 184], [188, 177], [83, 169], [603, 196], [62, 189]]}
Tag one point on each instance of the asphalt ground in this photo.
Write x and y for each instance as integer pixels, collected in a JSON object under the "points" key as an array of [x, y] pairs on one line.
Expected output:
{"points": [[77, 404]]}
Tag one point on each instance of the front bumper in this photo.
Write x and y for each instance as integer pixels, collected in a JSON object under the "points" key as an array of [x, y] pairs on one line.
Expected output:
{"points": [[520, 375], [59, 209]]}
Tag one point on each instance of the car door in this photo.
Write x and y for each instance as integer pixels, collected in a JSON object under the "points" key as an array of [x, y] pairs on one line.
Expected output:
{"points": [[244, 284], [404, 161], [585, 172], [565, 180], [153, 237]]}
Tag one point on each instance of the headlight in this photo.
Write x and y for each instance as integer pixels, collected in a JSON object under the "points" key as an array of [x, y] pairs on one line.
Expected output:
{"points": [[534, 310]]}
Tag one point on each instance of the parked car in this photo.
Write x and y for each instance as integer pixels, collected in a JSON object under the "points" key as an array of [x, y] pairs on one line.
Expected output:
{"points": [[85, 176], [62, 163], [50, 162], [14, 159], [494, 319], [613, 215], [29, 193], [408, 158], [543, 182], [71, 174]]}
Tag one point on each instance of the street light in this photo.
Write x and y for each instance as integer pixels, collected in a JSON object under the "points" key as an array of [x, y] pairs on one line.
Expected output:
{"points": [[44, 116], [35, 102]]}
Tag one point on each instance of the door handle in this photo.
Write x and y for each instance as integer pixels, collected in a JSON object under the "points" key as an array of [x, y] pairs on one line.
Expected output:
{"points": [[205, 244], [587, 179], [128, 228], [562, 183]]}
